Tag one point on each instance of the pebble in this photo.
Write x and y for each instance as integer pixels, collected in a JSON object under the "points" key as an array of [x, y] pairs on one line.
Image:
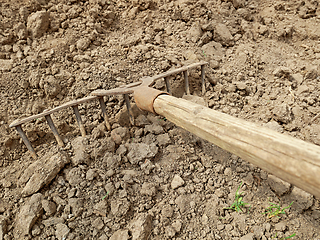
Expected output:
{"points": [[177, 182], [49, 207], [98, 223], [279, 186], [62, 231]]}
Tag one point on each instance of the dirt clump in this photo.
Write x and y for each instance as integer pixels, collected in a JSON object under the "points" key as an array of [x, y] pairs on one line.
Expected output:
{"points": [[152, 180]]}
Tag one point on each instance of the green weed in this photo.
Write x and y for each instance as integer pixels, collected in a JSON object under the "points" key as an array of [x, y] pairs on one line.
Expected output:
{"points": [[238, 203], [105, 196], [284, 237], [204, 54], [278, 210]]}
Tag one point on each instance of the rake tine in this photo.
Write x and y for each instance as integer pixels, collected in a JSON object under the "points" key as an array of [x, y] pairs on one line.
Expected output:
{"points": [[104, 113], [166, 79], [202, 80], [54, 130], [26, 141], [126, 97], [79, 120], [186, 81]]}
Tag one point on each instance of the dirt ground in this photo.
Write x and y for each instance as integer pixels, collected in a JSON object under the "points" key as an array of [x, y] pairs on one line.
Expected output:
{"points": [[152, 180]]}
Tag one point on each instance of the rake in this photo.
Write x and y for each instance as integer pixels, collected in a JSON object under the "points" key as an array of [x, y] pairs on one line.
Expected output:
{"points": [[291, 159]]}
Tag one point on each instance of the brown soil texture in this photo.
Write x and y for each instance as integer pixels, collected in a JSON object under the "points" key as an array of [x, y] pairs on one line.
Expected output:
{"points": [[152, 180]]}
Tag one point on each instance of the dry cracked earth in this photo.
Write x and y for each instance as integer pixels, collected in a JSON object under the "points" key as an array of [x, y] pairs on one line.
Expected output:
{"points": [[152, 180]]}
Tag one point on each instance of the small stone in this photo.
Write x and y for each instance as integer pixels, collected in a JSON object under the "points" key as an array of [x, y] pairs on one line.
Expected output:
{"points": [[76, 205], [282, 113], [49, 207], [163, 139], [98, 223], [282, 72], [238, 3], [104, 237], [83, 43], [268, 227], [74, 176], [297, 77], [119, 134], [101, 208], [213, 50], [38, 23], [248, 236], [303, 89], [141, 121], [258, 231], [223, 35], [312, 73], [241, 85], [42, 172], [80, 151], [6, 65], [177, 181], [120, 235], [195, 33], [91, 174], [274, 126], [167, 211], [62, 231], [28, 215], [228, 172], [51, 86], [52, 221], [140, 151], [279, 186], [170, 232], [36, 230], [281, 226], [3, 227], [154, 128], [141, 226], [148, 189], [177, 225], [120, 207], [302, 199]]}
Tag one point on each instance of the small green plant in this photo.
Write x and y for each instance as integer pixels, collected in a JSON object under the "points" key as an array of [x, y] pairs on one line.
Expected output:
{"points": [[204, 54], [105, 196], [284, 237], [276, 210], [238, 203]]}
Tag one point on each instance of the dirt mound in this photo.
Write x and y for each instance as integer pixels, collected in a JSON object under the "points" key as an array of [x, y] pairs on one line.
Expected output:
{"points": [[152, 180]]}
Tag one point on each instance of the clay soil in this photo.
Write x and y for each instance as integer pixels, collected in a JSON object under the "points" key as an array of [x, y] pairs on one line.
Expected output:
{"points": [[152, 180]]}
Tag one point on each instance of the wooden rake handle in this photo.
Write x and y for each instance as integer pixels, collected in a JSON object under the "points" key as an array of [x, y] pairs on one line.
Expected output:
{"points": [[290, 159]]}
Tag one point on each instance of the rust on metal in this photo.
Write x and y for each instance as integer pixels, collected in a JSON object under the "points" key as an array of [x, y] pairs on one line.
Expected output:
{"points": [[54, 130], [79, 120], [104, 113], [26, 141], [145, 96], [167, 81], [186, 82], [130, 113], [202, 80]]}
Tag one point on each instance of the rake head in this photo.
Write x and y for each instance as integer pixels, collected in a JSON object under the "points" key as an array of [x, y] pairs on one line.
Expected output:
{"points": [[144, 96]]}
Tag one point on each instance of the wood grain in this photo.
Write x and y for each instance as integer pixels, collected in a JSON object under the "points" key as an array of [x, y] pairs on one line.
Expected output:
{"points": [[288, 158]]}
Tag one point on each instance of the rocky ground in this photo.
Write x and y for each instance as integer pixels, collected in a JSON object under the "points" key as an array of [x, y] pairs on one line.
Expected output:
{"points": [[152, 180]]}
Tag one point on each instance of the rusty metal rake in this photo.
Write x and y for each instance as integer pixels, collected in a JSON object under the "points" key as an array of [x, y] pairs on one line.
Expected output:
{"points": [[124, 90], [291, 159]]}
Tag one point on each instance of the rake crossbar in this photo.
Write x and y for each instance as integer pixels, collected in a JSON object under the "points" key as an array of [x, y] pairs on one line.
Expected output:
{"points": [[123, 90]]}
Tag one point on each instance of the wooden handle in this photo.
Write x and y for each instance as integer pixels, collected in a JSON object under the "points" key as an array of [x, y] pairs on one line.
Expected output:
{"points": [[290, 159]]}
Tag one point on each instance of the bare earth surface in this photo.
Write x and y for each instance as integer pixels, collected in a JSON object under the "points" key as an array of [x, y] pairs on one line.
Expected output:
{"points": [[152, 180]]}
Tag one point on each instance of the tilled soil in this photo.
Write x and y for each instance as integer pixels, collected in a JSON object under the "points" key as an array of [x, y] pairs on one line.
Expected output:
{"points": [[152, 180]]}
